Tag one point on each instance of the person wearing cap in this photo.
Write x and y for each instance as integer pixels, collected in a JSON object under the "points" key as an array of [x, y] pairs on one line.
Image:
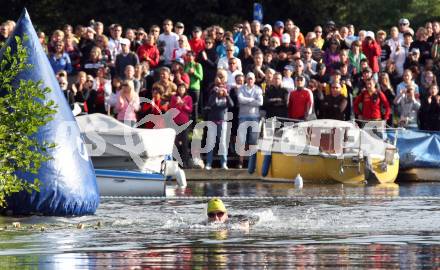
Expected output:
{"points": [[250, 98], [300, 100], [169, 40], [278, 29], [197, 43], [287, 81], [372, 51], [178, 72], [125, 58], [218, 214], [285, 52], [403, 27], [267, 30], [149, 52], [179, 28], [216, 211]]}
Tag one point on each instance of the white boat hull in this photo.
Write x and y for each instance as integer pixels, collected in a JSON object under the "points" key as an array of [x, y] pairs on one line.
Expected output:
{"points": [[129, 183]]}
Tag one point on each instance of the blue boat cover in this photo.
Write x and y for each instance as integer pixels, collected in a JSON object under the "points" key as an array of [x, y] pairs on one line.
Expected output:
{"points": [[68, 181], [418, 149]]}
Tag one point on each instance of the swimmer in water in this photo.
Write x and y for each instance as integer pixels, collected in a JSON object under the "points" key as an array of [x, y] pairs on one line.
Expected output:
{"points": [[217, 213]]}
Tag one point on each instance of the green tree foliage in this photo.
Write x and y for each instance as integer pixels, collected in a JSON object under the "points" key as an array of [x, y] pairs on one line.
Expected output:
{"points": [[365, 14], [22, 112]]}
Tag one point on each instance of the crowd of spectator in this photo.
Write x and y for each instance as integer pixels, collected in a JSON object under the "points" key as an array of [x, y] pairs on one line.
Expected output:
{"points": [[248, 72]]}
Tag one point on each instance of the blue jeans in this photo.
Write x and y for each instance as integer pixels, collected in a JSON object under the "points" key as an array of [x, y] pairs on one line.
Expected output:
{"points": [[221, 139]]}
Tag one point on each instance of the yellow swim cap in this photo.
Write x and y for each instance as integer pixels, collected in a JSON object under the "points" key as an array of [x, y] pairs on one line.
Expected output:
{"points": [[216, 205]]}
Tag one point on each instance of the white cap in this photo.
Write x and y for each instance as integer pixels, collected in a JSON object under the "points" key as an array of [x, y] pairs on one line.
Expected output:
{"points": [[250, 75], [285, 38], [268, 26], [369, 34], [124, 41]]}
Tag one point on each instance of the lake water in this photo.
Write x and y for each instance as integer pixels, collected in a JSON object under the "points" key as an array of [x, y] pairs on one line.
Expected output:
{"points": [[313, 231]]}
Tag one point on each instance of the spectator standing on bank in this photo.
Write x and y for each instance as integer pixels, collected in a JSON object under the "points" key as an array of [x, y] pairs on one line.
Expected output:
{"points": [[183, 103], [219, 101], [125, 58], [250, 98], [169, 41], [195, 72], [300, 100], [373, 102], [275, 98], [148, 52]]}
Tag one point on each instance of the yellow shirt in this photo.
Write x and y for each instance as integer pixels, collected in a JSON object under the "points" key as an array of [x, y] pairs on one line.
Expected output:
{"points": [[344, 90]]}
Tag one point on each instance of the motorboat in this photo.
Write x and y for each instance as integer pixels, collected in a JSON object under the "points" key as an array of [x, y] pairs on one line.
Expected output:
{"points": [[326, 151], [130, 183], [129, 161], [419, 154]]}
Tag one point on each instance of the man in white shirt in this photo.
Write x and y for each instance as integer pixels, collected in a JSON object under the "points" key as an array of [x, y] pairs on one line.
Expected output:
{"points": [[114, 44], [169, 41]]}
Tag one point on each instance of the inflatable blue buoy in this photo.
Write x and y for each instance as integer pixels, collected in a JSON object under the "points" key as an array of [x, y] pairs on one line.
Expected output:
{"points": [[68, 182], [252, 163], [266, 165]]}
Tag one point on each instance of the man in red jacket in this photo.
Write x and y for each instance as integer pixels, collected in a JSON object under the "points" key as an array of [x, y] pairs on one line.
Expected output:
{"points": [[197, 43], [373, 102], [372, 51], [149, 52]]}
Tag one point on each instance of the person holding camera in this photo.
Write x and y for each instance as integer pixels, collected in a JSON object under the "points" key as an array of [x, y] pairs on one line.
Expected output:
{"points": [[408, 107], [219, 101], [372, 51]]}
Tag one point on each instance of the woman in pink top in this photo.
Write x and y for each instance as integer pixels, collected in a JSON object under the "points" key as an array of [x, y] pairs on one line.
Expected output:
{"points": [[183, 103], [127, 103]]}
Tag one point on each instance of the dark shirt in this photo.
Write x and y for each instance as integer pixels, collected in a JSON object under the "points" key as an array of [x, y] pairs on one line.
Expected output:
{"points": [[330, 107], [275, 101]]}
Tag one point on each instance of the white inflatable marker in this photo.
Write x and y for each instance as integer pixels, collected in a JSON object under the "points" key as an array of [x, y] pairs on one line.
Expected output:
{"points": [[181, 178], [298, 181]]}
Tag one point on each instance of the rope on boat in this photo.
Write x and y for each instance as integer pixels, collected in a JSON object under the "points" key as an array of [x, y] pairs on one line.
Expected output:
{"points": [[295, 198]]}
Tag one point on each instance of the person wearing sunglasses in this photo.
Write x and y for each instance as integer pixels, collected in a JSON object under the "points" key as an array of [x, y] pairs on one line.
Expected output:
{"points": [[218, 214], [217, 211]]}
